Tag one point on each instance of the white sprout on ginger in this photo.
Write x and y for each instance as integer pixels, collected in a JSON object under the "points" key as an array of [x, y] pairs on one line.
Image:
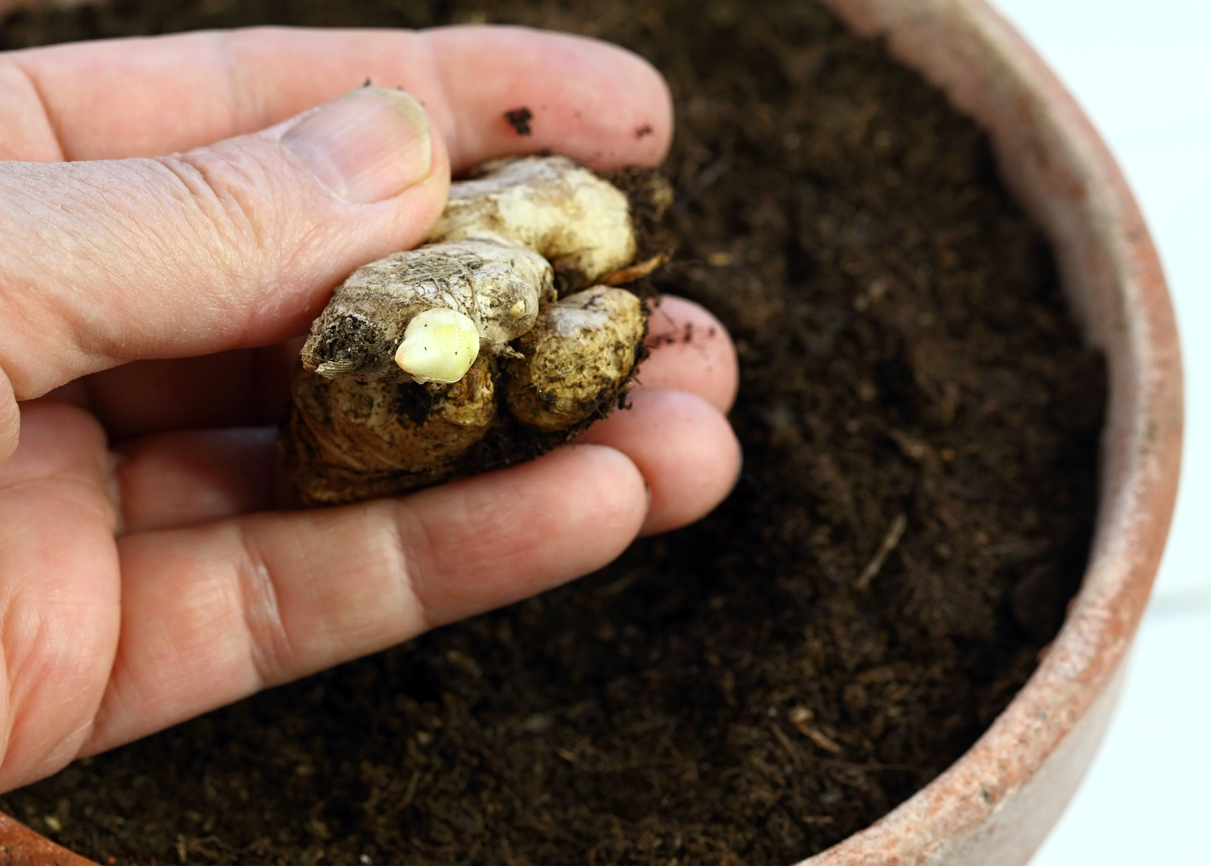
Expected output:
{"points": [[439, 345]]}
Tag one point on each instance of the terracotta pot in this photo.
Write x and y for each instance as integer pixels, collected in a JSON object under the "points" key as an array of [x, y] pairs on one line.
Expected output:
{"points": [[997, 803]]}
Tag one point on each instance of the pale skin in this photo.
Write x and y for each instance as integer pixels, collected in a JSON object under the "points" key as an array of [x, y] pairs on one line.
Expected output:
{"points": [[149, 308]]}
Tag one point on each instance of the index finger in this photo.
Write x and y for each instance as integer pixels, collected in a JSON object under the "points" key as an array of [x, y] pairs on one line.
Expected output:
{"points": [[111, 99]]}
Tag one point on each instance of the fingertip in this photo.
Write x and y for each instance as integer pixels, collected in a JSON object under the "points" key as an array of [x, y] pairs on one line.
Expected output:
{"points": [[611, 490], [684, 448], [645, 127], [696, 475], [364, 147], [691, 351], [584, 98], [526, 529]]}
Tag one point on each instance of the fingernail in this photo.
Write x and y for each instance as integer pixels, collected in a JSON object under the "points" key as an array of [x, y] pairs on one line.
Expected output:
{"points": [[367, 146]]}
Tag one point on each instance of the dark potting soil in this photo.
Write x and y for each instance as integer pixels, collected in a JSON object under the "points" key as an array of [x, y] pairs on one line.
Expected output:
{"points": [[919, 426]]}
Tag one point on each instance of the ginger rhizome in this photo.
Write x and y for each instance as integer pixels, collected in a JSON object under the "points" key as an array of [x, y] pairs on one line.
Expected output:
{"points": [[461, 355]]}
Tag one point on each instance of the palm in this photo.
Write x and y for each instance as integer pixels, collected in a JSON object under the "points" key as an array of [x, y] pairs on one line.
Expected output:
{"points": [[147, 570]]}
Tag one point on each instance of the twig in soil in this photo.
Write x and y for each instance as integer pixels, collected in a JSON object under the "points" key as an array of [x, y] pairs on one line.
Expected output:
{"points": [[791, 751], [894, 532], [799, 717], [410, 793], [623, 583], [821, 739]]}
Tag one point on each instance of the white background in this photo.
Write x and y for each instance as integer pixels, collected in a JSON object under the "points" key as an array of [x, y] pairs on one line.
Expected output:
{"points": [[1142, 71]]}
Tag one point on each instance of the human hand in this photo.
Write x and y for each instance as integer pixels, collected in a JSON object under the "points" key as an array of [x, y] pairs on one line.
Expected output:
{"points": [[148, 310]]}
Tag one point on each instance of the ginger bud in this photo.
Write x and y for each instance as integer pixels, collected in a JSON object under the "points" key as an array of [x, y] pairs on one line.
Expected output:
{"points": [[439, 345]]}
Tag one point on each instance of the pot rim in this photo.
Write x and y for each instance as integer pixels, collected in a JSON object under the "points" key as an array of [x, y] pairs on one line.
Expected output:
{"points": [[985, 807]]}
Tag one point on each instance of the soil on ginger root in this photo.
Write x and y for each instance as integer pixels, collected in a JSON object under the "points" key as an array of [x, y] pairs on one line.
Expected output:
{"points": [[756, 687]]}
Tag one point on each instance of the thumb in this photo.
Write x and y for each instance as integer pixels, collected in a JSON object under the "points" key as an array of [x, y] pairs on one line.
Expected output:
{"points": [[227, 246]]}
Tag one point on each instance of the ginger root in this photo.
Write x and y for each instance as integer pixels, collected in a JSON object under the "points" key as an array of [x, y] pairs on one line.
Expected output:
{"points": [[459, 356], [573, 357]]}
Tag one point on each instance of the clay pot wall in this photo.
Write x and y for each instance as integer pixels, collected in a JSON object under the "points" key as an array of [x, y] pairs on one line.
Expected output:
{"points": [[996, 804]]}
